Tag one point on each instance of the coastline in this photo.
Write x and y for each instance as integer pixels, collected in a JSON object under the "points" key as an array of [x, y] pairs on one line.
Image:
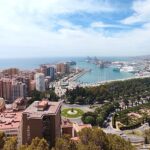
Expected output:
{"points": [[109, 81]]}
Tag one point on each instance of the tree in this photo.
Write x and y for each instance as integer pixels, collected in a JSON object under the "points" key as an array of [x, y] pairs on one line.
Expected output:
{"points": [[23, 147], [89, 146], [38, 144], [80, 100], [43, 145], [11, 144], [147, 136], [62, 144], [89, 120], [2, 140], [94, 139], [100, 139], [126, 102], [85, 135], [99, 120], [116, 142], [53, 96]]}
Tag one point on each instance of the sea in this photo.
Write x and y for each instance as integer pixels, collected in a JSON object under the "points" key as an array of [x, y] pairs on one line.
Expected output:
{"points": [[96, 74]]}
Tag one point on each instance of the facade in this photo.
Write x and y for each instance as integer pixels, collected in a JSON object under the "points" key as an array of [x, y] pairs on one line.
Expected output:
{"points": [[6, 88], [43, 69], [11, 71], [19, 89], [41, 119], [32, 85], [67, 127], [40, 82], [48, 71], [26, 81], [12, 89], [2, 104], [71, 128], [51, 72], [63, 68]]}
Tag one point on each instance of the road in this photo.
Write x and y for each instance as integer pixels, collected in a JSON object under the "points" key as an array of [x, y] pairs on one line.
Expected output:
{"points": [[131, 138]]}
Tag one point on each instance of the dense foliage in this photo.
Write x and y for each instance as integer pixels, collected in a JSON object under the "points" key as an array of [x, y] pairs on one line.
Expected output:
{"points": [[133, 117], [36, 95], [147, 136], [93, 139], [11, 144], [99, 115], [118, 90]]}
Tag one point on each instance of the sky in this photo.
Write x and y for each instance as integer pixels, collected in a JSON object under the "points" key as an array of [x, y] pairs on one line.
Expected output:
{"points": [[51, 28]]}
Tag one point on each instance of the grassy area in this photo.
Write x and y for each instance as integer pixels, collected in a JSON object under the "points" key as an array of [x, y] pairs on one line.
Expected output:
{"points": [[65, 113]]}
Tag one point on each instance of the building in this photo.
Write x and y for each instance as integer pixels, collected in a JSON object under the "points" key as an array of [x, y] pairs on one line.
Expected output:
{"points": [[47, 82], [6, 88], [10, 89], [32, 85], [48, 71], [19, 89], [41, 119], [40, 82], [51, 72], [63, 68], [78, 127], [67, 127], [1, 88], [19, 104], [43, 69], [2, 104], [26, 81], [71, 128], [11, 71], [10, 122]]}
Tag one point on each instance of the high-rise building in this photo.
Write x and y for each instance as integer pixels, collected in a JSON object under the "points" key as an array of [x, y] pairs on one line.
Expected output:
{"points": [[1, 88], [63, 68], [43, 69], [26, 81], [2, 104], [51, 72], [40, 82], [6, 88], [11, 71], [41, 119], [19, 89], [32, 85]]}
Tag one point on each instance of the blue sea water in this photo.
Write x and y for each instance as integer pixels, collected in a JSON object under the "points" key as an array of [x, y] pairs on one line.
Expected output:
{"points": [[97, 74]]}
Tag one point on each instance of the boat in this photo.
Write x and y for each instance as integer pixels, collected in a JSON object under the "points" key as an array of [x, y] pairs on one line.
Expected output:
{"points": [[117, 69], [129, 69]]}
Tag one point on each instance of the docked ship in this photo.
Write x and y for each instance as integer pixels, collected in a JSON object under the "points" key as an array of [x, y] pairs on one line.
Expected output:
{"points": [[117, 69], [129, 69]]}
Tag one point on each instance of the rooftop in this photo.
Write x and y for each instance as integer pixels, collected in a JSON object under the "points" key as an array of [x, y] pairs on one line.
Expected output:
{"points": [[10, 120], [50, 108], [19, 103], [65, 123]]}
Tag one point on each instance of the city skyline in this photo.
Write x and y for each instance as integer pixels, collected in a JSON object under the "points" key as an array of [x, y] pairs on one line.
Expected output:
{"points": [[30, 28]]}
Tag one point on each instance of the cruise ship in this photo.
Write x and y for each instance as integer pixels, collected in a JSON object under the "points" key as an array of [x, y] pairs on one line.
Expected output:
{"points": [[127, 69]]}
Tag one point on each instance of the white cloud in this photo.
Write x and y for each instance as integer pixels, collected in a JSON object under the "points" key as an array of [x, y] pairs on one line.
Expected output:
{"points": [[141, 13], [105, 25], [22, 36]]}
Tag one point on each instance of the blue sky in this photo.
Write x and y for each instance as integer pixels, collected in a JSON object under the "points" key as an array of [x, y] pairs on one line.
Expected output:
{"points": [[35, 28]]}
